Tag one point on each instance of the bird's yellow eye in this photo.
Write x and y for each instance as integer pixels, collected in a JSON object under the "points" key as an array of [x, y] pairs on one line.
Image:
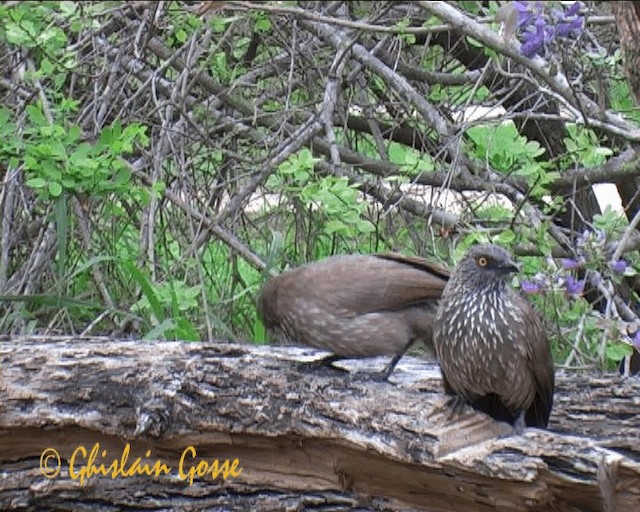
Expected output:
{"points": [[482, 261]]}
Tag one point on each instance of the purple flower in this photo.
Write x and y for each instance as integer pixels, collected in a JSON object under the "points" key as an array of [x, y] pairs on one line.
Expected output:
{"points": [[584, 237], [566, 29], [557, 15], [619, 266], [524, 15], [570, 264], [573, 286], [530, 287], [538, 29], [530, 48], [533, 41], [549, 34], [636, 339], [573, 9]]}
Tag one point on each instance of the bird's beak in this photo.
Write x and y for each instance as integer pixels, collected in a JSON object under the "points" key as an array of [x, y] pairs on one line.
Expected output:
{"points": [[509, 267]]}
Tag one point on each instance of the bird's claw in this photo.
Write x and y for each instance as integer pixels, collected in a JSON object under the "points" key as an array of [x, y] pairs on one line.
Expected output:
{"points": [[452, 407], [323, 363]]}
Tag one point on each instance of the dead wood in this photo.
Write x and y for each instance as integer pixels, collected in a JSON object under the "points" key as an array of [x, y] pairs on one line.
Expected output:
{"points": [[304, 438]]}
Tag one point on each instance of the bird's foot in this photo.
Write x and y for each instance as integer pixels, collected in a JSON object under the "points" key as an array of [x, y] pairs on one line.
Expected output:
{"points": [[452, 407], [381, 376], [457, 405], [388, 370], [324, 363], [367, 376], [385, 373], [327, 362]]}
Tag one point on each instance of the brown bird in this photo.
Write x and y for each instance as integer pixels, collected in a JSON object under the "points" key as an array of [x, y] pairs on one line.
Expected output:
{"points": [[355, 305], [491, 345]]}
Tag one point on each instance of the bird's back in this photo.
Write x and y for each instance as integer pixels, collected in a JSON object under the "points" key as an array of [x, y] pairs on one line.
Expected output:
{"points": [[355, 305]]}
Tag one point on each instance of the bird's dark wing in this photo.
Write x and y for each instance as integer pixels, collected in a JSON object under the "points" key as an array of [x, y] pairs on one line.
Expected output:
{"points": [[354, 285], [540, 364], [417, 262], [379, 283]]}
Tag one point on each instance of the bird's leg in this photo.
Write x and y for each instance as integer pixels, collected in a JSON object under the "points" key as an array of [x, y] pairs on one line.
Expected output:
{"points": [[519, 425], [384, 375], [388, 370]]}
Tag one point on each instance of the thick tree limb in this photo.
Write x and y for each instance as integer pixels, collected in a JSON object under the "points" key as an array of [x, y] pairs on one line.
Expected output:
{"points": [[302, 437]]}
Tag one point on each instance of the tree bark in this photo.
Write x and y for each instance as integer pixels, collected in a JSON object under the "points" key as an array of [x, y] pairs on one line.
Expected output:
{"points": [[627, 15], [300, 437]]}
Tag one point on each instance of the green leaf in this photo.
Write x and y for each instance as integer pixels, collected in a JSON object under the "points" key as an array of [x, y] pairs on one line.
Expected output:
{"points": [[5, 115], [365, 227], [259, 333], [18, 34], [36, 183], [158, 188], [507, 237], [68, 8], [301, 175], [411, 158], [73, 134], [306, 158], [90, 263], [335, 226], [55, 188], [147, 289], [181, 35], [36, 116], [62, 228], [46, 67], [276, 248], [474, 42], [49, 170], [615, 351], [51, 300], [58, 150], [263, 24], [162, 330], [123, 177], [186, 331], [81, 155], [219, 24]]}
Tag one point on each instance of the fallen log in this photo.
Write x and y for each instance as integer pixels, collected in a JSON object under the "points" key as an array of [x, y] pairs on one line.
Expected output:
{"points": [[124, 424]]}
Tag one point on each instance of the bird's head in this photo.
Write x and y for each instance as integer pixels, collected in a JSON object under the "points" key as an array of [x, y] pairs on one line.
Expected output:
{"points": [[485, 265]]}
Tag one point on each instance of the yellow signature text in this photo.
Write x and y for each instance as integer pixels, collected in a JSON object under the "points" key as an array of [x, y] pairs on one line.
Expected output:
{"points": [[188, 469], [85, 464]]}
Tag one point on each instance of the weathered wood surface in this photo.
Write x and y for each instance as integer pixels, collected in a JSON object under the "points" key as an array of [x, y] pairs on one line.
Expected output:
{"points": [[304, 438]]}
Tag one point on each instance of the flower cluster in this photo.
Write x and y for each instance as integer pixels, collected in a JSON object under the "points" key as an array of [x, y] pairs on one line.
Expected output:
{"points": [[590, 248], [594, 263], [539, 29], [541, 283]]}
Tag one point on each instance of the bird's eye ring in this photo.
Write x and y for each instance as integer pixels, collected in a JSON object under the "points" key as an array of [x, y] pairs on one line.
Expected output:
{"points": [[482, 261]]}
